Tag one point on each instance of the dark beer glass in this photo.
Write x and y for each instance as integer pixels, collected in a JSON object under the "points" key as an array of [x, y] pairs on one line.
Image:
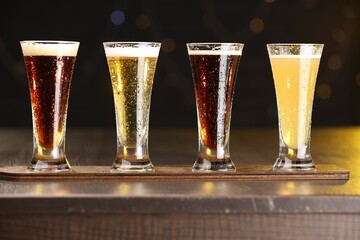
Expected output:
{"points": [[214, 67], [49, 66]]}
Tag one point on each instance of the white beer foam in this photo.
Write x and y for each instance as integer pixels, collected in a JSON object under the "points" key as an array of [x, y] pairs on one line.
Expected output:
{"points": [[214, 52], [132, 52], [295, 56], [49, 49]]}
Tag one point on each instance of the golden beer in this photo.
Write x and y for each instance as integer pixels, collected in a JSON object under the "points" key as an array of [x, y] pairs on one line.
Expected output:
{"points": [[132, 69], [132, 81]]}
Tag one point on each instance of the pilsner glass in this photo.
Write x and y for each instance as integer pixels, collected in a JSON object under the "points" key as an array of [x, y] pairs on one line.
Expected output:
{"points": [[49, 66], [294, 68], [214, 68], [132, 68]]}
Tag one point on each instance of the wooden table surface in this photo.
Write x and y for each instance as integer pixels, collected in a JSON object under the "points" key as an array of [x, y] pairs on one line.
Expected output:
{"points": [[182, 208]]}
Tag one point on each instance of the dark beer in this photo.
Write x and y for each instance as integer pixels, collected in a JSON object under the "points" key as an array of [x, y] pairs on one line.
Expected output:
{"points": [[214, 75], [49, 83], [49, 66], [214, 67]]}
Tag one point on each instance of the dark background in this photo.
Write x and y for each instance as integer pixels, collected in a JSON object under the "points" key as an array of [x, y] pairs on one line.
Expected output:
{"points": [[174, 23]]}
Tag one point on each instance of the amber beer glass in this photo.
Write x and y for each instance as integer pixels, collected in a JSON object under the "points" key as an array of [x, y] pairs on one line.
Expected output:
{"points": [[295, 68], [49, 66], [132, 68], [214, 68]]}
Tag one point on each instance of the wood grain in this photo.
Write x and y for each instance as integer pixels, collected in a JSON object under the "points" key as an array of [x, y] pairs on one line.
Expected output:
{"points": [[180, 226]]}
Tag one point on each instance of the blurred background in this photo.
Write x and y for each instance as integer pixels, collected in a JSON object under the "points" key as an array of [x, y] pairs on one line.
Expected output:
{"points": [[175, 23]]}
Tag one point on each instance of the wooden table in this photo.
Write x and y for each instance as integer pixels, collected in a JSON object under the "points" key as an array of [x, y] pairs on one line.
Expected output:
{"points": [[182, 208]]}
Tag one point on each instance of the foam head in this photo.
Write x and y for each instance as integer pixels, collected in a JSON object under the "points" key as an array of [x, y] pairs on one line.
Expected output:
{"points": [[215, 48], [49, 48], [145, 51], [295, 56], [214, 52]]}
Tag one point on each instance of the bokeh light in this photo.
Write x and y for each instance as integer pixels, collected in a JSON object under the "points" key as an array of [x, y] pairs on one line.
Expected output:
{"points": [[168, 45], [323, 91], [256, 25], [117, 17], [334, 62], [142, 22], [310, 3], [348, 12], [269, 1], [338, 35], [357, 79]]}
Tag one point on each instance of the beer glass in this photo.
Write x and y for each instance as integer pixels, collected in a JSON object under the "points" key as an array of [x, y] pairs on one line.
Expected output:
{"points": [[214, 68], [132, 68], [294, 68], [49, 66]]}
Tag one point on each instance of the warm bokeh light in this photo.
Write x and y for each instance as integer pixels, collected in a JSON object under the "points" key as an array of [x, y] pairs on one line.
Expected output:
{"points": [[338, 35], [334, 62], [142, 22], [310, 3], [323, 91], [348, 12], [269, 1], [357, 79], [256, 25], [168, 45]]}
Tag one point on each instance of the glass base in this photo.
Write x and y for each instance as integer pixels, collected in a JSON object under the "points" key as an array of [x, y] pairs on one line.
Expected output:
{"points": [[49, 166], [138, 166], [202, 164], [286, 164]]}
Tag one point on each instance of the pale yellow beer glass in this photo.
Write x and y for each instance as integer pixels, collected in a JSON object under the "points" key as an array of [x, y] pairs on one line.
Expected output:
{"points": [[294, 68]]}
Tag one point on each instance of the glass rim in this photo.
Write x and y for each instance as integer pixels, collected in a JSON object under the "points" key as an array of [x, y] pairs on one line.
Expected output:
{"points": [[214, 43], [131, 43], [294, 44], [50, 42]]}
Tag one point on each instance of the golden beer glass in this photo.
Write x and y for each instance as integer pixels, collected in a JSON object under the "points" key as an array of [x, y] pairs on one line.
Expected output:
{"points": [[132, 68]]}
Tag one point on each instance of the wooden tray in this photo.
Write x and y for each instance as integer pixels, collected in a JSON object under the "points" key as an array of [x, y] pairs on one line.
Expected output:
{"points": [[245, 172]]}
